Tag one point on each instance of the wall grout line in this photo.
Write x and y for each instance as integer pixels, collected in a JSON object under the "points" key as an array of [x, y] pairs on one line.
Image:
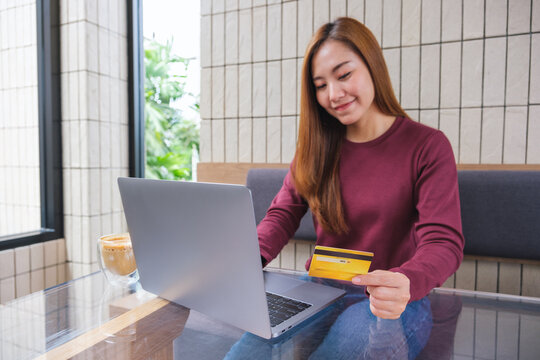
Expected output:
{"points": [[482, 87], [529, 86], [420, 47], [440, 64], [461, 81], [505, 79]]}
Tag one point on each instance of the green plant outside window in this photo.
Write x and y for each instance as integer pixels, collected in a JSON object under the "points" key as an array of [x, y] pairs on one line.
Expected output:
{"points": [[172, 139]]}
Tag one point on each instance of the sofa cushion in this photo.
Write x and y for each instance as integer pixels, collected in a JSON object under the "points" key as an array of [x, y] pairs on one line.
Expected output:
{"points": [[500, 212]]}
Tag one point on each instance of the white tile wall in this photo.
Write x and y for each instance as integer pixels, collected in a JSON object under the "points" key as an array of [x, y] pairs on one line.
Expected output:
{"points": [[259, 146], [492, 135], [431, 21], [430, 64], [245, 140], [288, 138], [206, 40], [218, 6], [244, 90], [22, 259], [517, 70], [94, 90], [7, 263], [471, 75], [231, 140], [494, 71], [410, 77], [450, 75], [410, 28], [288, 87], [496, 17], [533, 134], [305, 25], [514, 151], [242, 4], [218, 92], [338, 8], [218, 39], [449, 124], [373, 18], [534, 95], [473, 19], [205, 154], [23, 270], [321, 13], [391, 23], [206, 93], [231, 5], [429, 118], [273, 91], [288, 36], [218, 140], [259, 89], [393, 63], [355, 9], [470, 136], [274, 32], [536, 15], [244, 36], [519, 16], [259, 34], [274, 140], [231, 91], [231, 37]]}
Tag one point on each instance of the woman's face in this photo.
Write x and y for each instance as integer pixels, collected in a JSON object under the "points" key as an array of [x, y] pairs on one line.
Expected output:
{"points": [[342, 82]]}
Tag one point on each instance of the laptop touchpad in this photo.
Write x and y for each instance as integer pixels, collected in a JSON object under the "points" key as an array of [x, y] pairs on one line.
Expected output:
{"points": [[280, 283]]}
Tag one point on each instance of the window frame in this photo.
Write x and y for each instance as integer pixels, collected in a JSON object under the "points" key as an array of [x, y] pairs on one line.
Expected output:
{"points": [[136, 103], [50, 131]]}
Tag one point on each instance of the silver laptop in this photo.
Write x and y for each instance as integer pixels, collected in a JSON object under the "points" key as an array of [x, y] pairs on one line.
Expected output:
{"points": [[196, 245]]}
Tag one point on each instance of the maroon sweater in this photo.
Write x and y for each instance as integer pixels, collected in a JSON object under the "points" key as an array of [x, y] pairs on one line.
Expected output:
{"points": [[401, 202]]}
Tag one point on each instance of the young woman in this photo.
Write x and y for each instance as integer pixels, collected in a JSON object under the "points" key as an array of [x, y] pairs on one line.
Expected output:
{"points": [[374, 179]]}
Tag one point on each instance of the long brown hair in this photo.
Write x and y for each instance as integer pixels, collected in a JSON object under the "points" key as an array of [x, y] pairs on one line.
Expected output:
{"points": [[316, 167]]}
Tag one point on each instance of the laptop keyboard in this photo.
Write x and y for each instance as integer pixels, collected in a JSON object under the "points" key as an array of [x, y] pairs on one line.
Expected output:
{"points": [[282, 308]]}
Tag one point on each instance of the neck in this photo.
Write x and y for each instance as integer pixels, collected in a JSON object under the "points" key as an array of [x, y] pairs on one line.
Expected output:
{"points": [[369, 127]]}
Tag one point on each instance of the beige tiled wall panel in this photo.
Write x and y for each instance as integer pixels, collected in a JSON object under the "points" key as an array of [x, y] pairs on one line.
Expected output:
{"points": [[31, 268], [441, 57], [94, 126]]}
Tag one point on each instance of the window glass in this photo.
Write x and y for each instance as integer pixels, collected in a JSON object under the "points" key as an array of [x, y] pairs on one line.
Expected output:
{"points": [[20, 207]]}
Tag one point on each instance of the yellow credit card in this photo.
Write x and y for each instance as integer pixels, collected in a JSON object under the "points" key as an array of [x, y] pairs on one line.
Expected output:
{"points": [[340, 264]]}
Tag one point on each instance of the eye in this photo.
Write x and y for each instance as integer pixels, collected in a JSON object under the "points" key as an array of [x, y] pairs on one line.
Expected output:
{"points": [[344, 76], [320, 87]]}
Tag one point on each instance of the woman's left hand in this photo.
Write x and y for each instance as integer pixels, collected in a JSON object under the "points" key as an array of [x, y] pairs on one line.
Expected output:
{"points": [[389, 292]]}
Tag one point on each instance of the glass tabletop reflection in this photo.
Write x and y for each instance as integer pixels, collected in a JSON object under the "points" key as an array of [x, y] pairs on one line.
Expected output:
{"points": [[88, 318]]}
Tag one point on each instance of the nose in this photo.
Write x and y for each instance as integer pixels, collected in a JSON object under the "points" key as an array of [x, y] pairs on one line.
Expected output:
{"points": [[335, 91]]}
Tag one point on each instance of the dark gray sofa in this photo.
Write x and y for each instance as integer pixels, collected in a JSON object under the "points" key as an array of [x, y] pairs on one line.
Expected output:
{"points": [[500, 210]]}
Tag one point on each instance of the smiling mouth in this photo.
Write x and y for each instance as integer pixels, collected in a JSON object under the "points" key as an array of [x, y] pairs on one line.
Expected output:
{"points": [[344, 106]]}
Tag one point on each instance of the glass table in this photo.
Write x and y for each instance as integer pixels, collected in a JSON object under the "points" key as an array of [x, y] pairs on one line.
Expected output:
{"points": [[88, 319]]}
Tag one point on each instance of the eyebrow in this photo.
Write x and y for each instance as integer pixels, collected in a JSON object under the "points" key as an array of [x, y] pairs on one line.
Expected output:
{"points": [[334, 69]]}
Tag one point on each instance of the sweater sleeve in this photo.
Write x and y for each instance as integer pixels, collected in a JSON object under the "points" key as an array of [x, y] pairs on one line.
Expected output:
{"points": [[438, 233], [282, 220]]}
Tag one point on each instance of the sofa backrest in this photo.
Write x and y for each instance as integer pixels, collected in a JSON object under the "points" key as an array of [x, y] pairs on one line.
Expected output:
{"points": [[500, 213], [264, 185], [500, 210]]}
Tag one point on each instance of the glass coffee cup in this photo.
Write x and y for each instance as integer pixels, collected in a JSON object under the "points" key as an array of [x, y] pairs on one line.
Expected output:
{"points": [[116, 259]]}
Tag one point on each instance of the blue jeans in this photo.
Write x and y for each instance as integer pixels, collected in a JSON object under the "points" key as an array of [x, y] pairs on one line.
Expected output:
{"points": [[345, 330]]}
